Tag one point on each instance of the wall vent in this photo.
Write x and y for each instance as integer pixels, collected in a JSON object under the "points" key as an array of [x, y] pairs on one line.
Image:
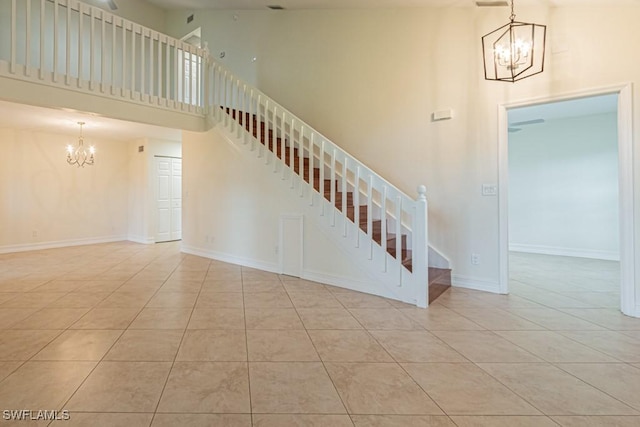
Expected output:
{"points": [[275, 7], [140, 148], [190, 19], [481, 3]]}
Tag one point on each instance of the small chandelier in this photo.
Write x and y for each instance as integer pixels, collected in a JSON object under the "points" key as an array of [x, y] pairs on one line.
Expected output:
{"points": [[514, 51], [79, 155]]}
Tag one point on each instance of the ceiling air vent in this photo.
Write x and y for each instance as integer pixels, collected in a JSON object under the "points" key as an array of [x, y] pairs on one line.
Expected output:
{"points": [[481, 3], [275, 7]]}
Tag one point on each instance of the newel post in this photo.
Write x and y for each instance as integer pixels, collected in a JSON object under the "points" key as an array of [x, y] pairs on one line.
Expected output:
{"points": [[420, 260], [207, 84]]}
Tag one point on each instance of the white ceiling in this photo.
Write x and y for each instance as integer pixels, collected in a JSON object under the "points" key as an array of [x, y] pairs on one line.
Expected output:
{"points": [[65, 121], [361, 4], [565, 109]]}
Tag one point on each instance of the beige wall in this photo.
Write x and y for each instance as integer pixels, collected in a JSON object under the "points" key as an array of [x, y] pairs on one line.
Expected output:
{"points": [[139, 11], [369, 79], [46, 202]]}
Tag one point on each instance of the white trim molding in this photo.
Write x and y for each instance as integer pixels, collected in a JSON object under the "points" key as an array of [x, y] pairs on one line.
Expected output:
{"points": [[60, 244], [572, 252], [626, 186], [468, 282]]}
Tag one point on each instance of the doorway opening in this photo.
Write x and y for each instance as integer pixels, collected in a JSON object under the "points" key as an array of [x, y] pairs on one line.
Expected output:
{"points": [[566, 200]]}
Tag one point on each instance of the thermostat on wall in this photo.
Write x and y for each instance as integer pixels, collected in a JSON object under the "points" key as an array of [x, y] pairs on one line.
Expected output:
{"points": [[442, 115]]}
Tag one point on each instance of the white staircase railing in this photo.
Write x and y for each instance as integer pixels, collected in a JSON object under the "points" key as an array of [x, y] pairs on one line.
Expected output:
{"points": [[255, 117], [68, 44]]}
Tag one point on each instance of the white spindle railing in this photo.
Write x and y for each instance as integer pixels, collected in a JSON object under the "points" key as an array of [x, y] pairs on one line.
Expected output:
{"points": [[73, 45], [396, 214], [95, 51]]}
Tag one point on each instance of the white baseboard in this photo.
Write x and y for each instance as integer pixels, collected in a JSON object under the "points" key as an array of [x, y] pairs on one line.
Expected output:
{"points": [[60, 244], [231, 259], [570, 252], [475, 284], [141, 239]]}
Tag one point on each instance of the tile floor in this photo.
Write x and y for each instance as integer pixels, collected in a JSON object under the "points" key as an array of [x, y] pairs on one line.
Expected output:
{"points": [[132, 335]]}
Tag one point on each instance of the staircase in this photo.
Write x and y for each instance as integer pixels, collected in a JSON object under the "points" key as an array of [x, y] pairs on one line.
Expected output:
{"points": [[439, 279], [378, 227]]}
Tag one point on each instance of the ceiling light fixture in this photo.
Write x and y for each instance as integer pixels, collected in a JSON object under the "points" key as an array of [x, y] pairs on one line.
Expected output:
{"points": [[514, 51], [79, 155]]}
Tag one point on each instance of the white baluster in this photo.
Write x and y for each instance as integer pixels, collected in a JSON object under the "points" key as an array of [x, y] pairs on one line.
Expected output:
{"points": [[356, 204], [27, 70], [383, 225], [151, 65], [80, 45], [344, 194], [67, 79], [113, 54], [133, 61], [311, 170], [321, 186], [420, 262], [332, 198], [159, 88], [92, 50], [55, 40], [124, 57], [370, 215], [103, 50], [143, 77], [399, 237], [276, 139], [301, 159], [42, 32], [14, 36], [283, 145]]}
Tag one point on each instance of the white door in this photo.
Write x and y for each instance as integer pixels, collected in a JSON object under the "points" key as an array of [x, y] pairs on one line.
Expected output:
{"points": [[168, 199]]}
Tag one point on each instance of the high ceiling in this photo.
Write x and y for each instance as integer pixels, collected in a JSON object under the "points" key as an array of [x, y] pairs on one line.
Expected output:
{"points": [[361, 4]]}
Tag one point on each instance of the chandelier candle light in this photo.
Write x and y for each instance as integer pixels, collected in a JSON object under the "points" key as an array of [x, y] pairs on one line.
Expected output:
{"points": [[80, 156], [514, 51]]}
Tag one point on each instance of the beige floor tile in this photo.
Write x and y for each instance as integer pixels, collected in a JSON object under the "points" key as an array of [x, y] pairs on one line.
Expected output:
{"points": [[21, 285], [102, 419], [267, 300], [554, 319], [43, 385], [291, 420], [616, 379], [611, 421], [488, 421], [79, 345], [213, 345], [126, 299], [316, 299], [59, 285], [328, 318], [439, 318], [465, 389], [301, 285], [201, 420], [280, 346], [80, 300], [485, 346], [93, 286], [222, 286], [262, 286], [221, 387], [6, 368], [51, 318], [402, 421], [497, 320], [141, 286], [12, 316], [217, 318], [615, 344], [173, 300], [223, 275], [252, 274], [554, 347], [162, 318], [146, 345], [360, 300], [296, 387], [348, 346], [121, 387], [273, 318], [188, 286], [106, 318], [384, 319], [34, 300], [219, 300], [22, 345], [416, 346], [7, 296], [555, 392], [607, 318], [379, 388]]}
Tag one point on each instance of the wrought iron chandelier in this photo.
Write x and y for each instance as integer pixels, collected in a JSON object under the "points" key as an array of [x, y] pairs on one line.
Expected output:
{"points": [[79, 155], [514, 51]]}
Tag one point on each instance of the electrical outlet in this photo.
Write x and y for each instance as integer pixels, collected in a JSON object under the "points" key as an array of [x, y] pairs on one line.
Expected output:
{"points": [[489, 190], [475, 259]]}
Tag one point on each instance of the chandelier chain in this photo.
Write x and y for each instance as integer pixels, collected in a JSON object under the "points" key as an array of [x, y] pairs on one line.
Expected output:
{"points": [[513, 14]]}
